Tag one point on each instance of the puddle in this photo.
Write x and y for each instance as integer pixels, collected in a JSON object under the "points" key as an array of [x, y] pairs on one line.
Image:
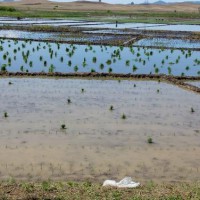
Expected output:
{"points": [[97, 143], [32, 56], [165, 42]]}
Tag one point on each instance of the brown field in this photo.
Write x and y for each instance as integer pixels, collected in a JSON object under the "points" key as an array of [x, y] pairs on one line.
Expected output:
{"points": [[92, 6]]}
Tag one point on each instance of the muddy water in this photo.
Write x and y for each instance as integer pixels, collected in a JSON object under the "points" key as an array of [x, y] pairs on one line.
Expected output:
{"points": [[97, 143]]}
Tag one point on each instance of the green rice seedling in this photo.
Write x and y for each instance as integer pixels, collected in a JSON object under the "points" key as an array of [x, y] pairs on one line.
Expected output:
{"points": [[51, 68], [111, 108], [93, 70], [108, 62], [69, 101], [101, 66], [63, 126], [3, 68], [82, 90], [30, 63], [110, 70], [4, 56], [127, 62], [192, 110], [22, 68], [150, 140], [187, 68], [45, 63], [76, 68], [69, 63], [123, 116], [10, 83], [134, 68], [94, 59], [169, 70], [5, 114], [156, 70]]}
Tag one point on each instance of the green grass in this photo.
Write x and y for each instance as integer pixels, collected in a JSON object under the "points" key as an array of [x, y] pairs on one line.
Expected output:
{"points": [[121, 16], [94, 191]]}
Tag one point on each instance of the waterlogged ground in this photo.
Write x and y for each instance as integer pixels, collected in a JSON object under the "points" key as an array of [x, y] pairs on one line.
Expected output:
{"points": [[97, 143], [145, 26], [167, 42], [53, 36], [29, 56]]}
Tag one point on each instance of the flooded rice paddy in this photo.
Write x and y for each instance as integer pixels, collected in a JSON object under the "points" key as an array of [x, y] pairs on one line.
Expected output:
{"points": [[99, 25], [167, 42], [97, 143], [63, 37], [31, 56], [144, 26]]}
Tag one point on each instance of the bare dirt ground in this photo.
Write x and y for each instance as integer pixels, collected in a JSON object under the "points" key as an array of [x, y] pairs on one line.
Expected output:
{"points": [[98, 144], [92, 6]]}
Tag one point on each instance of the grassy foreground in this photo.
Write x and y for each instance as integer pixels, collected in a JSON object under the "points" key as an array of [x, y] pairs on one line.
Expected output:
{"points": [[87, 190]]}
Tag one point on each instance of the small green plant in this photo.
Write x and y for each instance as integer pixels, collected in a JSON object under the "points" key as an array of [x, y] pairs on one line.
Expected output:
{"points": [[5, 114], [69, 101], [123, 116], [192, 110], [10, 83], [150, 140], [111, 107], [63, 126], [46, 186], [82, 90]]}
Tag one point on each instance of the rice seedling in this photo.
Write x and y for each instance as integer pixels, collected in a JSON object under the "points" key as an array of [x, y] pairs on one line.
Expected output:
{"points": [[5, 114], [63, 126], [111, 108], [69, 101], [123, 116], [150, 140]]}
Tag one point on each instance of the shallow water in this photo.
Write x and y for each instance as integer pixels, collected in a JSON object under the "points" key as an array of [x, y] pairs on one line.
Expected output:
{"points": [[195, 83], [97, 143], [44, 56], [122, 25], [50, 36], [187, 28], [166, 42], [143, 26]]}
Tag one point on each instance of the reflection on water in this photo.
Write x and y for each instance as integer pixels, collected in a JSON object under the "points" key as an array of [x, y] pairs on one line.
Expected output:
{"points": [[54, 57], [166, 42]]}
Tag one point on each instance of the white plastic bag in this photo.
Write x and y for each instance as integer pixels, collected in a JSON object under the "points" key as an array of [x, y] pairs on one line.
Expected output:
{"points": [[127, 182]]}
